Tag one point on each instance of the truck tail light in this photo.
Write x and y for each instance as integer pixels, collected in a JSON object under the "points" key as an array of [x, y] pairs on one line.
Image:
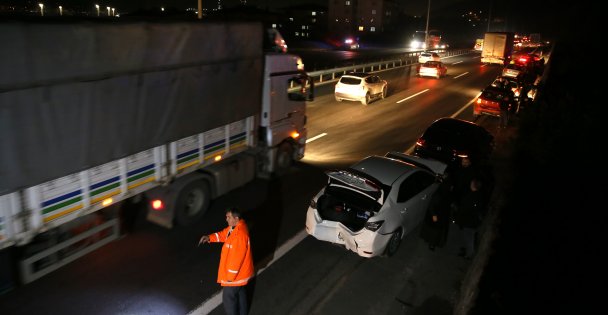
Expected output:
{"points": [[157, 204]]}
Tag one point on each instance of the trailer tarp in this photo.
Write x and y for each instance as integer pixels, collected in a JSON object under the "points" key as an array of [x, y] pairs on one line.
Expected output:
{"points": [[77, 95]]}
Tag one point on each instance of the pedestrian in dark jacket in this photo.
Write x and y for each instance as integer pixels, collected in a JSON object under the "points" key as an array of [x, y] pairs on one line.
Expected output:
{"points": [[463, 175], [505, 105], [470, 211], [437, 219]]}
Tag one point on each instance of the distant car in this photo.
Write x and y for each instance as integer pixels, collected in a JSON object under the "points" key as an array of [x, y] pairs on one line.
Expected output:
{"points": [[369, 207], [514, 71], [450, 139], [350, 43], [435, 69], [428, 56], [360, 86], [488, 102]]}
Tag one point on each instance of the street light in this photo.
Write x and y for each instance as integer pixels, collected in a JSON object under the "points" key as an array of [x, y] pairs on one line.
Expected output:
{"points": [[200, 9], [60, 10], [113, 12], [108, 10], [41, 9], [426, 31]]}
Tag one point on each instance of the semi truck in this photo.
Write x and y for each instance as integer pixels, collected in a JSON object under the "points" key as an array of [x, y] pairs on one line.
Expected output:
{"points": [[167, 115], [497, 48]]}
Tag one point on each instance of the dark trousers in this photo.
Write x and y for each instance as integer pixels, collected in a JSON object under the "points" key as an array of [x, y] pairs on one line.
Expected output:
{"points": [[235, 300], [504, 118]]}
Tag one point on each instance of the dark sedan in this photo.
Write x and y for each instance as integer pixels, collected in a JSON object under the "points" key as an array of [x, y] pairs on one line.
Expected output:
{"points": [[450, 139]]}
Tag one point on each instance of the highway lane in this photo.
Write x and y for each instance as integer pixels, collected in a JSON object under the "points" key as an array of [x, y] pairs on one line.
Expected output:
{"points": [[156, 271]]}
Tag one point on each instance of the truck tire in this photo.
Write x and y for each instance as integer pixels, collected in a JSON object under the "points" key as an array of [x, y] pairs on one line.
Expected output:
{"points": [[283, 158], [192, 202]]}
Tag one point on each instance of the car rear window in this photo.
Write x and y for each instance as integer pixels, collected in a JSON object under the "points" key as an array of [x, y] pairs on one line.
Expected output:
{"points": [[350, 80], [494, 95]]}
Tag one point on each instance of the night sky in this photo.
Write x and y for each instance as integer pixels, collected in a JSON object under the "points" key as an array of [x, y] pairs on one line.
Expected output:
{"points": [[538, 16]]}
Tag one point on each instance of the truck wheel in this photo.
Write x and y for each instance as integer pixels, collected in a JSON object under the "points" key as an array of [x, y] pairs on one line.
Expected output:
{"points": [[284, 158], [393, 243], [192, 202]]}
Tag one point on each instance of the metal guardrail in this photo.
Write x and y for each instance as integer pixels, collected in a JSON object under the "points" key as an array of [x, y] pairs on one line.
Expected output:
{"points": [[332, 75]]}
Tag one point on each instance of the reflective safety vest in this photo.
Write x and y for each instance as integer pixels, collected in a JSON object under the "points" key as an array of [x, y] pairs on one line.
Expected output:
{"points": [[236, 263]]}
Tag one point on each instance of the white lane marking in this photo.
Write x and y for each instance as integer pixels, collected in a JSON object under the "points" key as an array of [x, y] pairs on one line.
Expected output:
{"points": [[457, 62], [410, 150], [214, 301], [458, 76], [407, 98], [316, 137]]}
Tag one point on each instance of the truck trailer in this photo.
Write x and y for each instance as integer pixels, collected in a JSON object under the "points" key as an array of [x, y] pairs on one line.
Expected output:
{"points": [[97, 115], [497, 48]]}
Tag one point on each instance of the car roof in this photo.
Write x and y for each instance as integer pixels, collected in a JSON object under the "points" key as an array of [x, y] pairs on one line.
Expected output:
{"points": [[383, 169], [458, 133], [457, 127], [493, 88]]}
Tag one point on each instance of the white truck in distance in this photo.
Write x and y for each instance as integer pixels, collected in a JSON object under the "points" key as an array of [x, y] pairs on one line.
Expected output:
{"points": [[497, 48], [97, 115]]}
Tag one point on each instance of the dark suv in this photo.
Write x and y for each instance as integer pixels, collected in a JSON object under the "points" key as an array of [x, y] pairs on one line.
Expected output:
{"points": [[449, 139]]}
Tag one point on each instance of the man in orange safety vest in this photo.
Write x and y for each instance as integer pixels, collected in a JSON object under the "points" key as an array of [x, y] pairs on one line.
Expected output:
{"points": [[236, 263]]}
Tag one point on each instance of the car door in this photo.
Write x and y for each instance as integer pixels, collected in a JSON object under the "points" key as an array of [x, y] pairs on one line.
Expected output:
{"points": [[413, 198]]}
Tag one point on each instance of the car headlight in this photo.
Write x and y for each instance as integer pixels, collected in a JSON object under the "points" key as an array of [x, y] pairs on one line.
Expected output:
{"points": [[373, 226]]}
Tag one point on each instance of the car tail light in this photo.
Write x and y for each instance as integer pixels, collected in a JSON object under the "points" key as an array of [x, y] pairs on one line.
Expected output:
{"points": [[420, 142], [373, 226], [478, 101]]}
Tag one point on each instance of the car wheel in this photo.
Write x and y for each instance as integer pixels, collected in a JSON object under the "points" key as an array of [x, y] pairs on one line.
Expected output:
{"points": [[384, 92], [367, 99], [393, 243]]}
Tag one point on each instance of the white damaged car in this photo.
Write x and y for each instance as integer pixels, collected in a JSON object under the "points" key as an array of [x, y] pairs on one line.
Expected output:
{"points": [[369, 207]]}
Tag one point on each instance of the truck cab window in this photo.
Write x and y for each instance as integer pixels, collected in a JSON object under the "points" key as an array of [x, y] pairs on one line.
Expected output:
{"points": [[300, 88]]}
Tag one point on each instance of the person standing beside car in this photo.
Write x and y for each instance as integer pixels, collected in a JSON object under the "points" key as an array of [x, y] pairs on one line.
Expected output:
{"points": [[437, 219], [470, 211], [236, 263], [505, 107]]}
